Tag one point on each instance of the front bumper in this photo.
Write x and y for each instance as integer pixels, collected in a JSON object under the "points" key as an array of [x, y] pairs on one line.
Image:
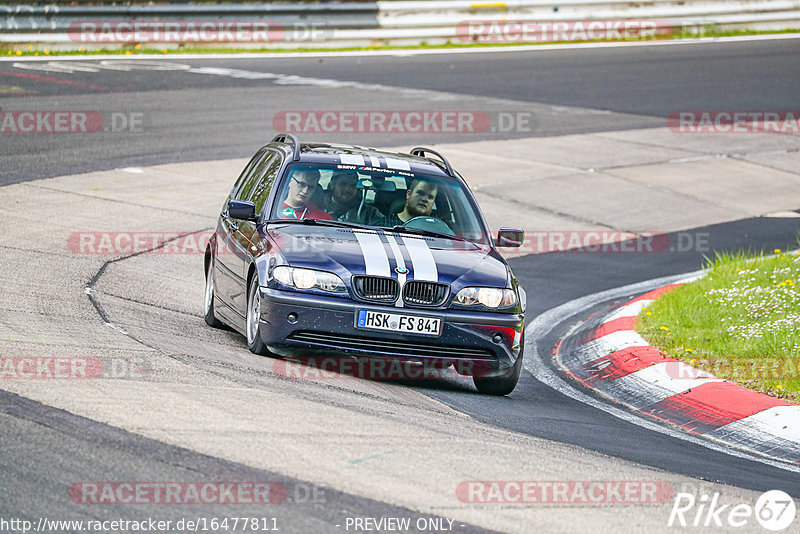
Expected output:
{"points": [[306, 325]]}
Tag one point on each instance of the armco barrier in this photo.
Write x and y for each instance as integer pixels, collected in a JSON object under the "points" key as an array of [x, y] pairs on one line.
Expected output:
{"points": [[58, 18], [339, 24]]}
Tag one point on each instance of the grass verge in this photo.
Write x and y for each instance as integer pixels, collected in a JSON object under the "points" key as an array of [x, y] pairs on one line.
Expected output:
{"points": [[741, 322]]}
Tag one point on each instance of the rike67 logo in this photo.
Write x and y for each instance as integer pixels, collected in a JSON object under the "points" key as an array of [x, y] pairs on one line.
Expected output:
{"points": [[774, 510]]}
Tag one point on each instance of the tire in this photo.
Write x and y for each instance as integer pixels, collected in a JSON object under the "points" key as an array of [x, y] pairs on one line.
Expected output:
{"points": [[252, 322], [504, 384], [208, 299]]}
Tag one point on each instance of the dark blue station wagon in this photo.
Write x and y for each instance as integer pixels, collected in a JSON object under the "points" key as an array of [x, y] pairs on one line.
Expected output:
{"points": [[326, 249]]}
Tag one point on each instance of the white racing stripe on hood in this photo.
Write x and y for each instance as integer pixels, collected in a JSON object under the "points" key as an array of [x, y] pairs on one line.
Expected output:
{"points": [[401, 264], [421, 259], [376, 261]]}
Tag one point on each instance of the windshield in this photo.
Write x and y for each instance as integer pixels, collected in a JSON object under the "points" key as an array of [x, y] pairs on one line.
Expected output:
{"points": [[379, 198]]}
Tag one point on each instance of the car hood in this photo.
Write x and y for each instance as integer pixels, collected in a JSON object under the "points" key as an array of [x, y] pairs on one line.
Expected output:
{"points": [[349, 252]]}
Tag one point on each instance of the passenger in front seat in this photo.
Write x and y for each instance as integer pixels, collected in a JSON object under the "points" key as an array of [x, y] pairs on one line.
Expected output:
{"points": [[344, 203]]}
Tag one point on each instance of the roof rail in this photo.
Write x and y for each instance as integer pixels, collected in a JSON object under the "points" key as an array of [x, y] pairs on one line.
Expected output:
{"points": [[282, 138], [421, 150]]}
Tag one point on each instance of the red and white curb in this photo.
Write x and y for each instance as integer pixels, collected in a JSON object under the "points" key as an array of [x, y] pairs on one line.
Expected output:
{"points": [[608, 356]]}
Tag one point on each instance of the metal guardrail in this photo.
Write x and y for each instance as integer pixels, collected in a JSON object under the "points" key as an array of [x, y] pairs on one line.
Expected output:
{"points": [[362, 23], [55, 18]]}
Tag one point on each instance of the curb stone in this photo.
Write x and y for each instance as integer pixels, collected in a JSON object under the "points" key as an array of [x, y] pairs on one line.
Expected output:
{"points": [[607, 355]]}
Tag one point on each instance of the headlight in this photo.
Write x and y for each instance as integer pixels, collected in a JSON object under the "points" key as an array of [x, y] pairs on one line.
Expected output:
{"points": [[308, 279], [490, 297]]}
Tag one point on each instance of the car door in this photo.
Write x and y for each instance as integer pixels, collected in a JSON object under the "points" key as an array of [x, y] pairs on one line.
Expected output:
{"points": [[230, 256], [244, 235], [250, 235]]}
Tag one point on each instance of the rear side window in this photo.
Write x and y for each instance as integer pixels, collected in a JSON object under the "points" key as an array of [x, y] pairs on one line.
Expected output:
{"points": [[267, 173]]}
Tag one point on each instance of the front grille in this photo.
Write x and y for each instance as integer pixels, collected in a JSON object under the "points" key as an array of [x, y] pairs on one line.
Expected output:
{"points": [[425, 293], [334, 341], [376, 288]]}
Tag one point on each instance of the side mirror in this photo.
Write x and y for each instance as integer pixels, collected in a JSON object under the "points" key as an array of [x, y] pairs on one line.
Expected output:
{"points": [[239, 209], [510, 237]]}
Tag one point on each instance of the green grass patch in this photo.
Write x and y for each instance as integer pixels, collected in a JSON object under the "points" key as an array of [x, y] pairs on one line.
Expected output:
{"points": [[741, 322], [134, 49]]}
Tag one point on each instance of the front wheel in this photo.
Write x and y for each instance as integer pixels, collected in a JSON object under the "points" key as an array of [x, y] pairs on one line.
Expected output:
{"points": [[254, 342], [208, 299], [504, 384]]}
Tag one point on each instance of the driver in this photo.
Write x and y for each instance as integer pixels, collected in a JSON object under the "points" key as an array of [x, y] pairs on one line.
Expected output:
{"points": [[420, 197], [344, 203], [298, 205]]}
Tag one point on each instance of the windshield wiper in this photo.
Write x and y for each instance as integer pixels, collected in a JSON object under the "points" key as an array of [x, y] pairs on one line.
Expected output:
{"points": [[343, 224], [320, 222], [430, 233]]}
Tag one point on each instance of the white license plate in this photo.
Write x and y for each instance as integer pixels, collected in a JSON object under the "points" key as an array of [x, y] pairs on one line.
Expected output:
{"points": [[395, 322]]}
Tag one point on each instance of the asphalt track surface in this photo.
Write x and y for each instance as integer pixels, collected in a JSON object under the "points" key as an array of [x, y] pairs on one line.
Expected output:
{"points": [[189, 116], [197, 117]]}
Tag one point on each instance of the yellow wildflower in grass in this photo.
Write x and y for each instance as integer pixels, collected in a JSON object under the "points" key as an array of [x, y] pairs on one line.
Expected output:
{"points": [[779, 386], [665, 328], [777, 251], [138, 46], [19, 52], [693, 360], [30, 47], [47, 52], [648, 313], [164, 51], [127, 52], [690, 351]]}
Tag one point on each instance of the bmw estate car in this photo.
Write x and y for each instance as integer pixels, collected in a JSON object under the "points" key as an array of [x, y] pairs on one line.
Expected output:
{"points": [[327, 249]]}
